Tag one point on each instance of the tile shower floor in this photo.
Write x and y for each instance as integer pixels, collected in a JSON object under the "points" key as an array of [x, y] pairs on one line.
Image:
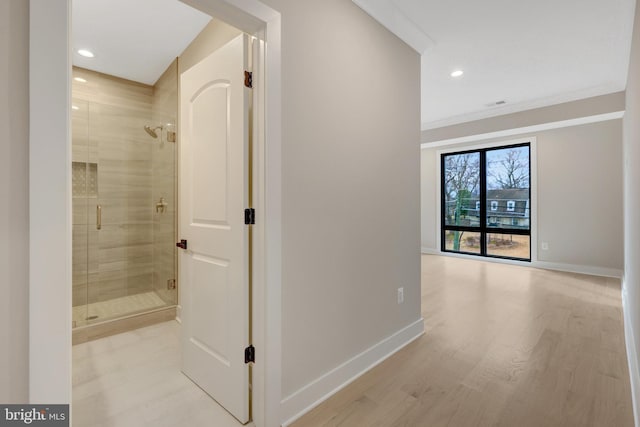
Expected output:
{"points": [[134, 379], [117, 307]]}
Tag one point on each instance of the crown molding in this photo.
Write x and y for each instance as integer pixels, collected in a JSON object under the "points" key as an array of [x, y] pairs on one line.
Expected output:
{"points": [[525, 129], [391, 17], [522, 106]]}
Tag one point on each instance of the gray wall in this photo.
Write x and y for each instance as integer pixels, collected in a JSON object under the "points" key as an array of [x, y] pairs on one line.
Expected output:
{"points": [[632, 207], [579, 191], [350, 155], [14, 193]]}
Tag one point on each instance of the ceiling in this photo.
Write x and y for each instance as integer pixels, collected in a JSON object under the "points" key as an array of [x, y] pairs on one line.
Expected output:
{"points": [[133, 39], [527, 53]]}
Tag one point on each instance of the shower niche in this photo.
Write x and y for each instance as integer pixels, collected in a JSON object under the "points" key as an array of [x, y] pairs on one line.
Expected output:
{"points": [[124, 255]]}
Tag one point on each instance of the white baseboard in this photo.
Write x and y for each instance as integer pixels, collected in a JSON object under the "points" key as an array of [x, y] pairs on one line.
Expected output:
{"points": [[569, 268], [582, 269], [308, 397], [632, 355]]}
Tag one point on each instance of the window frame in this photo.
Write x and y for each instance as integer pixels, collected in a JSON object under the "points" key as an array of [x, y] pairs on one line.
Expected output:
{"points": [[483, 229]]}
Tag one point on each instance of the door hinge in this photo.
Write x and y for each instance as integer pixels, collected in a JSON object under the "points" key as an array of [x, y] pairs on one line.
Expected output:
{"points": [[182, 244], [250, 216], [248, 79], [250, 354]]}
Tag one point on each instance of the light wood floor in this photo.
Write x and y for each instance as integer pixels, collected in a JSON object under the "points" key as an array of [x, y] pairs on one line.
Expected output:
{"points": [[504, 346], [134, 380]]}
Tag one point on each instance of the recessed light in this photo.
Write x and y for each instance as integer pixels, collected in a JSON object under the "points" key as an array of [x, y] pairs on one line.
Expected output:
{"points": [[457, 73], [75, 107], [86, 53], [80, 79]]}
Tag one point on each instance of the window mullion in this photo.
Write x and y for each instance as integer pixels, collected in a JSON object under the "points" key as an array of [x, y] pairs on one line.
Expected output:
{"points": [[483, 203]]}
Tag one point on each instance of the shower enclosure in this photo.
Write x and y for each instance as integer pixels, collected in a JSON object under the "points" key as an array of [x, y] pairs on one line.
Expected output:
{"points": [[124, 196]]}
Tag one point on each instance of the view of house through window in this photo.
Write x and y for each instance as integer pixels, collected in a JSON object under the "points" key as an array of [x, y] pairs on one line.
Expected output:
{"points": [[486, 202]]}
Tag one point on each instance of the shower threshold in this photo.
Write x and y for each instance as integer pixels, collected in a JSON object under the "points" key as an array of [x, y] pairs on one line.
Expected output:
{"points": [[101, 329], [116, 308]]}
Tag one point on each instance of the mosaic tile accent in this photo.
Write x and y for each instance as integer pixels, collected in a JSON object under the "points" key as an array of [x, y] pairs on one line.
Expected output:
{"points": [[84, 178]]}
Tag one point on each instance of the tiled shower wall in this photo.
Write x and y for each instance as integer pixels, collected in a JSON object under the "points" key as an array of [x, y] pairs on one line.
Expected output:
{"points": [[109, 142]]}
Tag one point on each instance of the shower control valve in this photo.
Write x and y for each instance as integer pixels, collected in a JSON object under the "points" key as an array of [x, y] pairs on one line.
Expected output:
{"points": [[161, 205]]}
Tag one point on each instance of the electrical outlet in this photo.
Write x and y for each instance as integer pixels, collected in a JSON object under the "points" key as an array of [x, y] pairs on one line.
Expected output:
{"points": [[544, 246], [400, 295]]}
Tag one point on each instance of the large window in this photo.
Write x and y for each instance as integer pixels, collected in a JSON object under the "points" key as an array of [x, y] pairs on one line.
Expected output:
{"points": [[486, 202]]}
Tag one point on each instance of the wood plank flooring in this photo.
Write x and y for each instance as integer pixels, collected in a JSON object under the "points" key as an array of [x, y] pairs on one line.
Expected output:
{"points": [[504, 346]]}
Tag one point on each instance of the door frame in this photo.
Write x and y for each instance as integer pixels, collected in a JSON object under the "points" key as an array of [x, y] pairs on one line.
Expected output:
{"points": [[50, 253]]}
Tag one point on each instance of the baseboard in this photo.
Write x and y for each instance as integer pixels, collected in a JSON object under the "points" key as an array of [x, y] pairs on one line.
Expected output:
{"points": [[430, 251], [632, 355], [582, 269], [569, 268], [319, 390]]}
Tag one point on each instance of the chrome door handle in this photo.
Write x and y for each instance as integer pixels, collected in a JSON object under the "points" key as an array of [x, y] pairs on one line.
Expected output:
{"points": [[98, 217]]}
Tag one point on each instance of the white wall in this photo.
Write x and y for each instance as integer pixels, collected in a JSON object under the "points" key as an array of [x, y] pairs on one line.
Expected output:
{"points": [[631, 290], [579, 187], [14, 209], [350, 153], [49, 203]]}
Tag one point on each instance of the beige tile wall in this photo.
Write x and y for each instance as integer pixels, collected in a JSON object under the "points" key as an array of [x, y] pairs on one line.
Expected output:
{"points": [[108, 132]]}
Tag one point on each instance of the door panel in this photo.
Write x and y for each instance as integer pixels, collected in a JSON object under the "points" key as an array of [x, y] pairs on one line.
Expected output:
{"points": [[214, 270], [210, 132], [209, 331]]}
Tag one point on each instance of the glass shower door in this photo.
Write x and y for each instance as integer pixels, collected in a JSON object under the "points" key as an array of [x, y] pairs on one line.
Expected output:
{"points": [[124, 198], [84, 196], [123, 239]]}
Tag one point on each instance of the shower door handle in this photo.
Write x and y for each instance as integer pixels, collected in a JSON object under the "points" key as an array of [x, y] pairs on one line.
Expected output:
{"points": [[98, 217]]}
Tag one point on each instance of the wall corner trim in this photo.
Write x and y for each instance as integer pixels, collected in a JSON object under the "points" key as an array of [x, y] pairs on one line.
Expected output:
{"points": [[393, 19], [632, 356], [313, 394], [430, 251]]}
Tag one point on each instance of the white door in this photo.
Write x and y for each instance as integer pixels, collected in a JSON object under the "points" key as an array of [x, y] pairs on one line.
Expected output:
{"points": [[214, 269]]}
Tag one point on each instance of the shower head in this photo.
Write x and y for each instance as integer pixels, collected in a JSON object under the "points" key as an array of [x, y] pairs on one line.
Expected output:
{"points": [[170, 134], [152, 131]]}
